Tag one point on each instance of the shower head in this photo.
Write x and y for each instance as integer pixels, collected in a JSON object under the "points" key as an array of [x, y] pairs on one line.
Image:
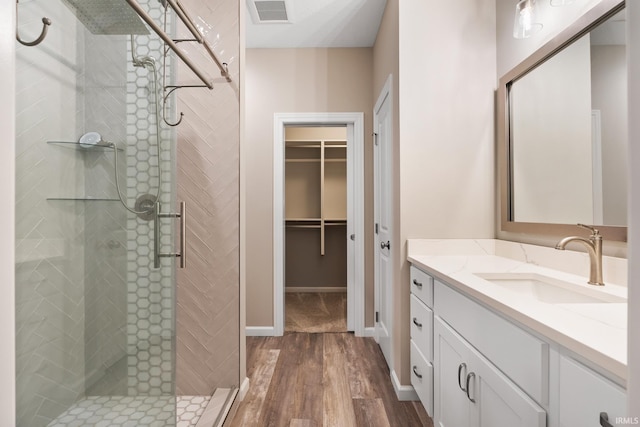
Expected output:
{"points": [[109, 17], [93, 139]]}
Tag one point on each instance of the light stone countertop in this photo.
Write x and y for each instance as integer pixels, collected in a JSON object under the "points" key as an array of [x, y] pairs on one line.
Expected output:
{"points": [[596, 331]]}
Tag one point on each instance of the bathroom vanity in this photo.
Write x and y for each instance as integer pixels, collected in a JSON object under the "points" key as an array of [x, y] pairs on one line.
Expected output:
{"points": [[500, 339]]}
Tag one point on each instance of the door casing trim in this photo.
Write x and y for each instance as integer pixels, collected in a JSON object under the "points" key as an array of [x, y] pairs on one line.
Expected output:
{"points": [[355, 211]]}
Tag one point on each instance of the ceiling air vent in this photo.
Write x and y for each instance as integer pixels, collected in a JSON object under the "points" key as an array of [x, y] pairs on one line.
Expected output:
{"points": [[270, 11]]}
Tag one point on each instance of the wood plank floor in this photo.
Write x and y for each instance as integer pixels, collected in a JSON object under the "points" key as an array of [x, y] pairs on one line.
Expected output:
{"points": [[315, 312], [322, 379]]}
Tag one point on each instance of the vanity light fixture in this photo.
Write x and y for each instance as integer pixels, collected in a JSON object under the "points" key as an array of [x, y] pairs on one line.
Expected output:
{"points": [[524, 24]]}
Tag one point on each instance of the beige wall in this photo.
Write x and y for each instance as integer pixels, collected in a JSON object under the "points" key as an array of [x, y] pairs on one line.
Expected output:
{"points": [[288, 81], [445, 166]]}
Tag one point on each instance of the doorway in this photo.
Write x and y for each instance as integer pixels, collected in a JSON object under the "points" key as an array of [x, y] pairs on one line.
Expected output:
{"points": [[315, 177], [325, 224]]}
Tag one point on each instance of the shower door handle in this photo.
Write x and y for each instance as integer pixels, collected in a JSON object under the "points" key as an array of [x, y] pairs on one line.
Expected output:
{"points": [[156, 235]]}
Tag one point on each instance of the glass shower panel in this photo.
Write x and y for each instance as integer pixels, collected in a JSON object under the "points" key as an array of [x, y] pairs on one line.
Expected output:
{"points": [[95, 321]]}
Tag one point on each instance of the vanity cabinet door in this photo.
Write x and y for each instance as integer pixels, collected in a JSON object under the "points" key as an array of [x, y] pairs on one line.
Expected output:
{"points": [[584, 394], [451, 359], [470, 391], [500, 402]]}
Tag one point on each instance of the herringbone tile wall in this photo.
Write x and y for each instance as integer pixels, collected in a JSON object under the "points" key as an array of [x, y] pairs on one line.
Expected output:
{"points": [[105, 279], [208, 180]]}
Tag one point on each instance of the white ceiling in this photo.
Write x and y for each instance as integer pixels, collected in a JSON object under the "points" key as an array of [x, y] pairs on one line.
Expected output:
{"points": [[319, 23]]}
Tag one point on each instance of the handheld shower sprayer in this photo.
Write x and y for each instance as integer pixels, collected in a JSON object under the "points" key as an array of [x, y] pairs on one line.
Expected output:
{"points": [[94, 139]]}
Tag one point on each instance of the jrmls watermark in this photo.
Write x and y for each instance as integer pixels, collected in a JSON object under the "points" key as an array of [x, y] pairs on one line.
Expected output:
{"points": [[627, 420]]}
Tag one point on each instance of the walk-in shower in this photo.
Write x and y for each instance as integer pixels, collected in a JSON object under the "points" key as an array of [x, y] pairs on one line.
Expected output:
{"points": [[95, 188]]}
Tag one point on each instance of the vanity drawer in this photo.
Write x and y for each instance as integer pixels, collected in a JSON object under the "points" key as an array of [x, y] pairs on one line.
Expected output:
{"points": [[422, 327], [422, 378], [518, 354], [422, 286]]}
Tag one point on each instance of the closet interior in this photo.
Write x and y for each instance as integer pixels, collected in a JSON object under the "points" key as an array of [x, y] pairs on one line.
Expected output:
{"points": [[315, 228]]}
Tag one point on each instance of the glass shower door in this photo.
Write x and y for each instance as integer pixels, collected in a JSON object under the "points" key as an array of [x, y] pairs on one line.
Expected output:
{"points": [[95, 316]]}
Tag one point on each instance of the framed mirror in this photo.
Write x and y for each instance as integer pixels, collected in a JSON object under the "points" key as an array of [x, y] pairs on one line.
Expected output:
{"points": [[562, 131]]}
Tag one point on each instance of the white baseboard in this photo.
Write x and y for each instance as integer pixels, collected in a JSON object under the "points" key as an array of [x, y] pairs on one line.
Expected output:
{"points": [[244, 388], [370, 331], [403, 392], [316, 289], [260, 331]]}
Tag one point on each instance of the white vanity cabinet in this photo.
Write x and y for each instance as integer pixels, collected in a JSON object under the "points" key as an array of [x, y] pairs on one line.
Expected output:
{"points": [[470, 391], [474, 367], [422, 337]]}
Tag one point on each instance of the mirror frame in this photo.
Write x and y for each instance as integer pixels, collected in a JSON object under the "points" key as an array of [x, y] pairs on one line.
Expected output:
{"points": [[595, 16]]}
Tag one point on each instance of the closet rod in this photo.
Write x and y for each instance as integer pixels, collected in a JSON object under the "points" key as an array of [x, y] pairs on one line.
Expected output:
{"points": [[140, 11]]}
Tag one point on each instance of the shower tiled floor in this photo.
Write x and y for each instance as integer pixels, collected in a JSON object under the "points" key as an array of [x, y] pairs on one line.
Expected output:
{"points": [[129, 411]]}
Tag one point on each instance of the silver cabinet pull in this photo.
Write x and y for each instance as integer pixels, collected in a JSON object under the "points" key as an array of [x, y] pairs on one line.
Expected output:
{"points": [[415, 372], [469, 376], [460, 367], [156, 235], [415, 322], [385, 245], [417, 284]]}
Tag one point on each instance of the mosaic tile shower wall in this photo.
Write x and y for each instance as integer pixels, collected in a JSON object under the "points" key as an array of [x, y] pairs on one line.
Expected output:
{"points": [[150, 299]]}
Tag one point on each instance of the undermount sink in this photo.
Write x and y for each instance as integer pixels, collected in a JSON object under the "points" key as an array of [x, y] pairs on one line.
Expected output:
{"points": [[549, 290]]}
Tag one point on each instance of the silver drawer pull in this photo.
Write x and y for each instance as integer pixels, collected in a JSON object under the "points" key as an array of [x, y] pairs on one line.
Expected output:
{"points": [[469, 376], [415, 322], [418, 284], [415, 372], [460, 367]]}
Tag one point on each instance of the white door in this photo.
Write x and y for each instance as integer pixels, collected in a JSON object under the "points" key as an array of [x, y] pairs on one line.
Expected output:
{"points": [[383, 217]]}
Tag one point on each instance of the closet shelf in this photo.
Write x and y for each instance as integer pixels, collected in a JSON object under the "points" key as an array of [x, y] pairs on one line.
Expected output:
{"points": [[302, 145], [315, 160], [318, 170], [86, 148]]}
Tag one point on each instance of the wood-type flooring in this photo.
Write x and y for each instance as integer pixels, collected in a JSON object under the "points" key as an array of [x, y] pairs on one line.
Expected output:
{"points": [[322, 380], [315, 312]]}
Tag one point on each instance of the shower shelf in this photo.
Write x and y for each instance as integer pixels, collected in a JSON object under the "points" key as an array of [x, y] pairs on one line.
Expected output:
{"points": [[77, 146], [81, 199]]}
